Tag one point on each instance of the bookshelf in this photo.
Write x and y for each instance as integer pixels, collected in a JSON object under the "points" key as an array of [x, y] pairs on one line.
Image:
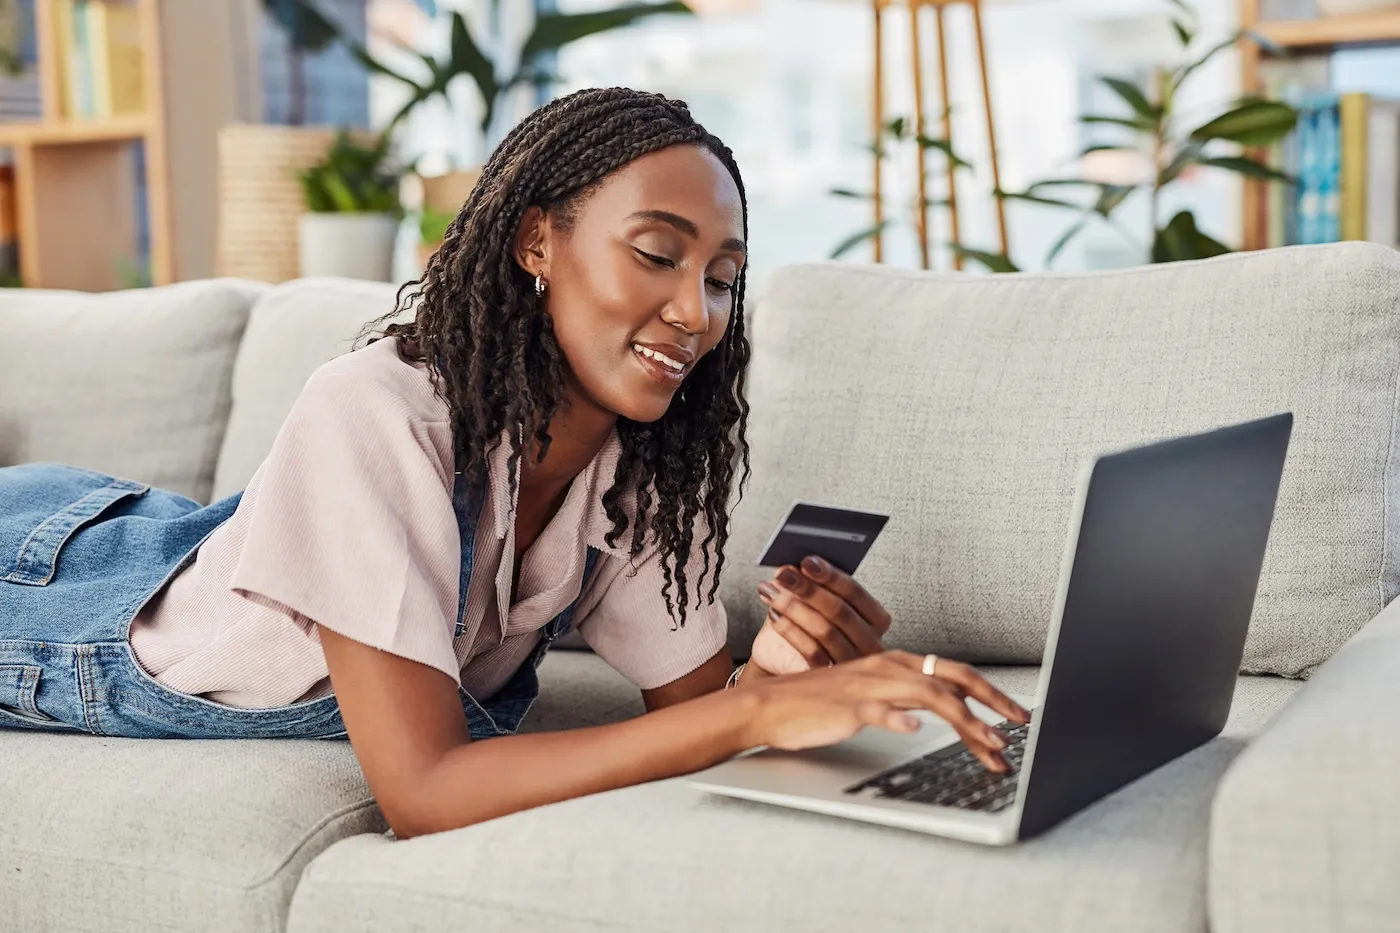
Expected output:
{"points": [[1322, 35], [77, 192]]}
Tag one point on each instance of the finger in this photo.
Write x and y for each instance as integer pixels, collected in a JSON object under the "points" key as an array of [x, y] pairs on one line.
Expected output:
{"points": [[795, 586], [979, 688], [981, 739], [885, 716], [843, 585], [803, 643], [832, 639]]}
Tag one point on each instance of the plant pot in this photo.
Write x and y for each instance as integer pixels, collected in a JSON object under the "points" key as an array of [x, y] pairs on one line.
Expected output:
{"points": [[1355, 7], [425, 252], [353, 246], [447, 193]]}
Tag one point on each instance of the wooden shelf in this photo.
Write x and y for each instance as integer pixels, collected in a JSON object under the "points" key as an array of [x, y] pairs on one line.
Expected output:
{"points": [[1331, 32], [70, 132]]}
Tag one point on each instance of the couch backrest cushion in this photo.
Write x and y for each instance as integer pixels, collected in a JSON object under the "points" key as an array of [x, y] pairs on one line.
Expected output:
{"points": [[964, 406], [293, 329], [133, 383]]}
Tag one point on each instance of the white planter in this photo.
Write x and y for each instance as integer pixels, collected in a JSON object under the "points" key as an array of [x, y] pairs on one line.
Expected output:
{"points": [[355, 246], [1354, 7]]}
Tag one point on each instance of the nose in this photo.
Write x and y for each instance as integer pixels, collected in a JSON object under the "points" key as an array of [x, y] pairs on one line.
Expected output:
{"points": [[688, 308]]}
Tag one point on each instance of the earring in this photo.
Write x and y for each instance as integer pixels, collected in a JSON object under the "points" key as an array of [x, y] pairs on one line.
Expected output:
{"points": [[540, 286]]}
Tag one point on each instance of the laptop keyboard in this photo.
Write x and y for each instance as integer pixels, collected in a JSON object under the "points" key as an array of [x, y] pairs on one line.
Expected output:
{"points": [[953, 777]]}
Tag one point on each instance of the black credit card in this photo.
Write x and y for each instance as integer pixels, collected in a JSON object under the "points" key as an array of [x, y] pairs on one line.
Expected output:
{"points": [[841, 536]]}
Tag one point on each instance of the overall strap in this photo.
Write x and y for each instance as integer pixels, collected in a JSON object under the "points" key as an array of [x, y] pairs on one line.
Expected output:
{"points": [[466, 503], [564, 620]]}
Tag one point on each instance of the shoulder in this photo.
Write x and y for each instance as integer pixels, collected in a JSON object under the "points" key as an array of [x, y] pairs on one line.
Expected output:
{"points": [[376, 377]]}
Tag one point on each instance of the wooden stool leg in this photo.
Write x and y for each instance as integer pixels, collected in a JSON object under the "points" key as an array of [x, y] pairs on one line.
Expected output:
{"points": [[921, 160], [943, 90], [878, 111], [991, 124]]}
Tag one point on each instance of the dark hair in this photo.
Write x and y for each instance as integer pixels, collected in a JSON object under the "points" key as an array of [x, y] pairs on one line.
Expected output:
{"points": [[490, 344]]}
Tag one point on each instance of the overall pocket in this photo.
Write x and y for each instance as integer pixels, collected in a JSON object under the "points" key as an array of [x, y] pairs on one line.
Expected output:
{"points": [[42, 506], [19, 690]]}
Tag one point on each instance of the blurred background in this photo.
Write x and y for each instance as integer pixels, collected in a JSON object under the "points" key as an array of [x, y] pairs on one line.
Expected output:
{"points": [[149, 141]]}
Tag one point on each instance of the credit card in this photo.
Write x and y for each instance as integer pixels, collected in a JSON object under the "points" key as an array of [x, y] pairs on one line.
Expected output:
{"points": [[841, 536]]}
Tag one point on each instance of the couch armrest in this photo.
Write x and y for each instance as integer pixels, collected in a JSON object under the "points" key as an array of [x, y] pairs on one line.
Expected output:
{"points": [[1305, 834]]}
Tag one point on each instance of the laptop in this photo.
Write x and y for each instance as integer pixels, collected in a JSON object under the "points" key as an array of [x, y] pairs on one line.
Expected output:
{"points": [[1156, 589]]}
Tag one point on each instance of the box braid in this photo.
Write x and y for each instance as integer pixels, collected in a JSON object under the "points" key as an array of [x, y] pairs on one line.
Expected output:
{"points": [[491, 348]]}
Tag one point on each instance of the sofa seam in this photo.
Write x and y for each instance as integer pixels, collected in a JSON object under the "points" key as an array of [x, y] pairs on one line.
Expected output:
{"points": [[214, 880], [950, 278], [1387, 474], [306, 837]]}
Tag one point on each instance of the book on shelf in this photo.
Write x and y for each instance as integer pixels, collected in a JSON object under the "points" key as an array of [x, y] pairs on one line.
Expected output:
{"points": [[1344, 156], [19, 90], [102, 65]]}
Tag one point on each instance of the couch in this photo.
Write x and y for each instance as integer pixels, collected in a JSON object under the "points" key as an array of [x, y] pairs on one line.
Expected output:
{"points": [[964, 406]]}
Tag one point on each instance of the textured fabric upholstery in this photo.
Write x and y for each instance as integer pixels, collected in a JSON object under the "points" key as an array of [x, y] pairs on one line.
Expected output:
{"points": [[103, 835], [1306, 830], [133, 383], [667, 857], [965, 406], [292, 330]]}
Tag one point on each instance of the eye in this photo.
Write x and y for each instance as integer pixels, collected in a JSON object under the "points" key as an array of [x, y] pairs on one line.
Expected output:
{"points": [[658, 260], [717, 285]]}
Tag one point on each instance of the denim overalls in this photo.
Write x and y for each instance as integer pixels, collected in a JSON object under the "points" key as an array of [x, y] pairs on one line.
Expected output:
{"points": [[82, 552]]}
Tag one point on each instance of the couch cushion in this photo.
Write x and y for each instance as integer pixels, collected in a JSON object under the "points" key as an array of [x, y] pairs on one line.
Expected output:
{"points": [[110, 835], [1306, 830], [964, 406], [666, 857], [134, 383], [292, 330]]}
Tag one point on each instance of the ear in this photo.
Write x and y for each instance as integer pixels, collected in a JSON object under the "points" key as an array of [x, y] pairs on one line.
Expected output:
{"points": [[531, 246]]}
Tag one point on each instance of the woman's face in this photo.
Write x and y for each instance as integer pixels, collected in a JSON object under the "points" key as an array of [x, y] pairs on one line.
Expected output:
{"points": [[641, 286]]}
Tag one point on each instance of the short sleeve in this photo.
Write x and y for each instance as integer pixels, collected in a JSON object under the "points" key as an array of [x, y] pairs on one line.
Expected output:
{"points": [[352, 523], [623, 618]]}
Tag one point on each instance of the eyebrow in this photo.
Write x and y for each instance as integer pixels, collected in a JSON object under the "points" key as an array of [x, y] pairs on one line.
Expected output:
{"points": [[688, 228]]}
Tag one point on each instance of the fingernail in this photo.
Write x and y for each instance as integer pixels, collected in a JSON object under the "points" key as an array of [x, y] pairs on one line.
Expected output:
{"points": [[996, 740], [814, 565], [767, 591], [773, 615], [910, 723], [788, 578]]}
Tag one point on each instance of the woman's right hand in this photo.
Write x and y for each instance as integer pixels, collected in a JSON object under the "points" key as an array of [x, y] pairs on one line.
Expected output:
{"points": [[828, 705]]}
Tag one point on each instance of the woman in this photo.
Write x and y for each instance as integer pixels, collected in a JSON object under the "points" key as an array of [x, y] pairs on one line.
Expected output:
{"points": [[549, 442]]}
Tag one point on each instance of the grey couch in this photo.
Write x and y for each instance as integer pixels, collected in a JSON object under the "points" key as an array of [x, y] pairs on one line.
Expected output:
{"points": [[962, 405]]}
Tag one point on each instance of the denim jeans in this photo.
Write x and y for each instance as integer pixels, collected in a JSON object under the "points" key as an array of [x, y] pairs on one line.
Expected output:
{"points": [[82, 552]]}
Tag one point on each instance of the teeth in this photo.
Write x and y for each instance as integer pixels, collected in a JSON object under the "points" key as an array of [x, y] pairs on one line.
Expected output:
{"points": [[659, 357]]}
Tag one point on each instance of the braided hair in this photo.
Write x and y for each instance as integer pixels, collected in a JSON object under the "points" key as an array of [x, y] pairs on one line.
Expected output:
{"points": [[491, 348]]}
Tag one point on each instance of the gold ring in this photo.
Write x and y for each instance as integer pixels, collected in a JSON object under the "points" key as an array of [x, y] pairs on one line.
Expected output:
{"points": [[930, 660]]}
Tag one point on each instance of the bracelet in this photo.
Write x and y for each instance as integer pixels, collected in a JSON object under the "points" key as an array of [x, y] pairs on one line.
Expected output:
{"points": [[734, 677]]}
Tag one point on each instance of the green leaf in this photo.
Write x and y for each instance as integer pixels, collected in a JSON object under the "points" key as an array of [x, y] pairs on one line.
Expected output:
{"points": [[1089, 150], [1065, 237], [1181, 240], [1264, 42], [1182, 33], [361, 54], [432, 225], [554, 30], [1186, 70], [855, 239], [945, 147], [995, 262], [1249, 168], [1110, 196], [467, 58], [1035, 199], [1253, 123], [1188, 154], [896, 127], [848, 193], [1132, 123], [1060, 183], [1134, 98]]}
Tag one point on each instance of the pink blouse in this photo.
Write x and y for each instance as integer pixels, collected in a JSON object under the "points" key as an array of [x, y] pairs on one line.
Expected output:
{"points": [[348, 524]]}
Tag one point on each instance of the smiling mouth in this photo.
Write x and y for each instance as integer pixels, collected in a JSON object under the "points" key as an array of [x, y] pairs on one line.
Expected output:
{"points": [[659, 366]]}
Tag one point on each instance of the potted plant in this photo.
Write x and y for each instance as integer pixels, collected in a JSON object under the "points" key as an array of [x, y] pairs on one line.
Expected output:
{"points": [[353, 211]]}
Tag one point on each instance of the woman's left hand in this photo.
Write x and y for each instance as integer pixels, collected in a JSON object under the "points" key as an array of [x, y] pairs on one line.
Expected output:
{"points": [[817, 616]]}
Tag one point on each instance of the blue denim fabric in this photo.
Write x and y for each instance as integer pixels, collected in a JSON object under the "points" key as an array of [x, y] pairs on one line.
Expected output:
{"points": [[82, 552]]}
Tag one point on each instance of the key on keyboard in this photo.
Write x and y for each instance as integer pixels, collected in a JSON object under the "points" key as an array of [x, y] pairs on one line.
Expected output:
{"points": [[952, 777]]}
